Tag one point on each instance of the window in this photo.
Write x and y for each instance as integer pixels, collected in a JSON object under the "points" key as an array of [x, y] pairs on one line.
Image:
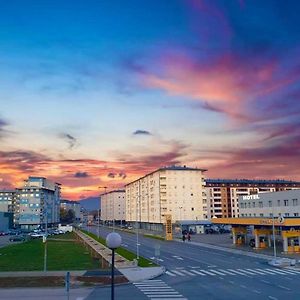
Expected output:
{"points": [[278, 202], [295, 202], [296, 214], [270, 203], [260, 204], [286, 214], [286, 202], [253, 204], [261, 215]]}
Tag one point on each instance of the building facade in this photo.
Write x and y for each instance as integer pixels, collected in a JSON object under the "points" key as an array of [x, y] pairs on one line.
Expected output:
{"points": [[7, 200], [176, 191], [223, 194], [113, 206], [37, 203], [72, 205], [284, 203]]}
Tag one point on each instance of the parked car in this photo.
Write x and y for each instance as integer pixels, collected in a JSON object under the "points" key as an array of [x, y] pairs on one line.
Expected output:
{"points": [[17, 238], [2, 233]]}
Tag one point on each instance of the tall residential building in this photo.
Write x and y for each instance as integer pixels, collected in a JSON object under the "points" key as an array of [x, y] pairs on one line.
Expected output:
{"points": [[37, 203], [72, 205], [7, 200], [223, 194], [113, 206], [176, 190]]}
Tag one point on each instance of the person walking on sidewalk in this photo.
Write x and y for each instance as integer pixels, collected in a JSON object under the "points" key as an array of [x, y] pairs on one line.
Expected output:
{"points": [[183, 237], [189, 237]]}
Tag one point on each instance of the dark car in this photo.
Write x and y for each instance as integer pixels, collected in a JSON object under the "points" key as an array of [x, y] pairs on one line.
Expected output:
{"points": [[17, 238]]}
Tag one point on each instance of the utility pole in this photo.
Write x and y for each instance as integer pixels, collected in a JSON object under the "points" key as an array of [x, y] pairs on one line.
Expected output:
{"points": [[101, 187], [45, 237]]}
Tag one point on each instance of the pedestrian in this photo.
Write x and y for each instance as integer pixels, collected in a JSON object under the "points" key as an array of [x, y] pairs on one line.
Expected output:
{"points": [[189, 237], [183, 237]]}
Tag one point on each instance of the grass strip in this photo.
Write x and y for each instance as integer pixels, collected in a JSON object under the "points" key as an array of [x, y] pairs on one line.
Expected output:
{"points": [[152, 236], [142, 262], [61, 255]]}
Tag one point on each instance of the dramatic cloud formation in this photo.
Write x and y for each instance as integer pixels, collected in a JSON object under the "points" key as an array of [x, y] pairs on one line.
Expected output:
{"points": [[71, 140], [3, 125], [141, 132], [81, 175]]}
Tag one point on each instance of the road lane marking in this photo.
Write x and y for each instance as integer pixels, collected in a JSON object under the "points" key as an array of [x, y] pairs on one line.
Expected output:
{"points": [[188, 273], [228, 272], [278, 271], [198, 272], [240, 273], [265, 281], [170, 274], [256, 291], [178, 273], [284, 287], [273, 298], [217, 272], [208, 272], [256, 272], [266, 271], [245, 271]]}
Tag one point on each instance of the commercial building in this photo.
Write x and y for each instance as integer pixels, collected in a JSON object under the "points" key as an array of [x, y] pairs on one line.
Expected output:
{"points": [[37, 203], [7, 200], [178, 191], [113, 206], [286, 204], [260, 213], [223, 194], [72, 205]]}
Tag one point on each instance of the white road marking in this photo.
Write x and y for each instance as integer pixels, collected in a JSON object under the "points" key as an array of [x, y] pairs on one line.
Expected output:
{"points": [[188, 273], [178, 273], [197, 272], [284, 287], [170, 274], [273, 298], [217, 272], [208, 272]]}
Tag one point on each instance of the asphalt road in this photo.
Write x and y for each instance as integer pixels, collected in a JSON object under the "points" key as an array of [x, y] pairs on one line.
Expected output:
{"points": [[194, 272]]}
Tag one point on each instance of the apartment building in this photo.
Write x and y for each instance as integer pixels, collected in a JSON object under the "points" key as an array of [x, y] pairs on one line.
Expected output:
{"points": [[175, 190], [113, 206], [71, 205], [7, 200], [37, 203], [284, 203], [223, 194]]}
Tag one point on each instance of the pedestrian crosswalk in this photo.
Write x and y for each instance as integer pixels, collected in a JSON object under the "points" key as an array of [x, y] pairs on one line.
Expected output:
{"points": [[158, 290], [233, 272]]}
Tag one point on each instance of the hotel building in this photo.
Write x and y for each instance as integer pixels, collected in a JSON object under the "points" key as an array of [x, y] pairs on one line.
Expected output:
{"points": [[37, 203], [178, 191], [284, 203], [71, 205], [113, 206], [223, 194]]}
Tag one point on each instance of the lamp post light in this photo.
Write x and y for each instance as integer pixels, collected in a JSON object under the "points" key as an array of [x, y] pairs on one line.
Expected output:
{"points": [[113, 241], [45, 236], [180, 208]]}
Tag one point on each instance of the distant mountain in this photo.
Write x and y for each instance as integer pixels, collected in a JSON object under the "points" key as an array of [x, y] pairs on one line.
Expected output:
{"points": [[91, 203]]}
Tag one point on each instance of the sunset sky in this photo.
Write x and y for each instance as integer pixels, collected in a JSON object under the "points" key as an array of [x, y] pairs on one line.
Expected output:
{"points": [[99, 92]]}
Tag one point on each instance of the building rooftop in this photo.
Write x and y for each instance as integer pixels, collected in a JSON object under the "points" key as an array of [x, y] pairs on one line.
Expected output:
{"points": [[114, 191], [250, 181], [171, 168]]}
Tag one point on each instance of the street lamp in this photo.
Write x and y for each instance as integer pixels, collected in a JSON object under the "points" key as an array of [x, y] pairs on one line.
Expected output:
{"points": [[45, 236], [180, 208], [113, 241]]}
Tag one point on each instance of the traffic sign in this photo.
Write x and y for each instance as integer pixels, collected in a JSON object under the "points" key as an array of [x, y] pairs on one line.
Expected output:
{"points": [[280, 219]]}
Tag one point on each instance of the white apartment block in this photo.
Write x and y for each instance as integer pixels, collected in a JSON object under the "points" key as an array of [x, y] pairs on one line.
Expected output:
{"points": [[176, 190], [37, 203], [113, 206], [285, 203], [223, 194]]}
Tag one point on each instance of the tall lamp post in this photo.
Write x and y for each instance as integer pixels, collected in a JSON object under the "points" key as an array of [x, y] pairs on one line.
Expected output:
{"points": [[113, 241], [180, 208], [100, 187], [45, 236]]}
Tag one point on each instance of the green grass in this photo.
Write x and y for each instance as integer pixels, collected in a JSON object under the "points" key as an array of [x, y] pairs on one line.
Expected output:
{"points": [[29, 256], [65, 236], [142, 262]]}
